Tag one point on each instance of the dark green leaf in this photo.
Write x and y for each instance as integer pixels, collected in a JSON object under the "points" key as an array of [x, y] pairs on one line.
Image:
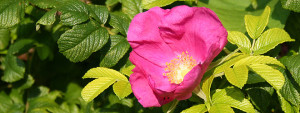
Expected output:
{"points": [[289, 91], [14, 69], [119, 22], [11, 12], [119, 46], [131, 7], [260, 97], [293, 65], [78, 43], [21, 46], [48, 18], [4, 38], [73, 12], [254, 78], [101, 13], [44, 4], [293, 5]]}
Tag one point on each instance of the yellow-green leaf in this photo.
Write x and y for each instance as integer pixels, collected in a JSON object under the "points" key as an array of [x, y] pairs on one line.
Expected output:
{"points": [[221, 109], [104, 72], [229, 63], [286, 106], [237, 75], [196, 109], [271, 75], [258, 60], [233, 97], [206, 87], [122, 89], [239, 39], [127, 70], [255, 25], [270, 39], [94, 88]]}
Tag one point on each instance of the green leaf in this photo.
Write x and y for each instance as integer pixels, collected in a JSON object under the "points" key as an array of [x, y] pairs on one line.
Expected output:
{"points": [[289, 91], [271, 75], [293, 5], [232, 97], [120, 22], [286, 106], [104, 72], [101, 13], [131, 7], [25, 83], [127, 70], [270, 39], [11, 12], [78, 43], [122, 89], [14, 69], [73, 12], [237, 75], [21, 46], [228, 63], [48, 18], [196, 109], [45, 4], [254, 78], [170, 107], [147, 4], [231, 12], [240, 40], [95, 87], [293, 65], [4, 38], [206, 85], [260, 97], [119, 47], [44, 104], [221, 109], [258, 60], [255, 25], [110, 3]]}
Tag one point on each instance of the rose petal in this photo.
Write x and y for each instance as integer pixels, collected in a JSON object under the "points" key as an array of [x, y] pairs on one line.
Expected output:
{"points": [[144, 93], [189, 83], [192, 29], [144, 37], [154, 73]]}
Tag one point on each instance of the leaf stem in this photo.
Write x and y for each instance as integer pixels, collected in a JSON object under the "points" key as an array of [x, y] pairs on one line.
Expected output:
{"points": [[174, 104], [251, 50]]}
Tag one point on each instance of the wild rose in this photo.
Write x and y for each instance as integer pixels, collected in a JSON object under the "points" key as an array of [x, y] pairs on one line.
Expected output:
{"points": [[172, 49]]}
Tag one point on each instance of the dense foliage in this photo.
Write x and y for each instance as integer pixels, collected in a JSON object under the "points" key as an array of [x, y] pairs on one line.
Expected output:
{"points": [[47, 47]]}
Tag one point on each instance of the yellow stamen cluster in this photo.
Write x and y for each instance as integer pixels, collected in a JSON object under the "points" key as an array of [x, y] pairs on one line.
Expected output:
{"points": [[179, 67]]}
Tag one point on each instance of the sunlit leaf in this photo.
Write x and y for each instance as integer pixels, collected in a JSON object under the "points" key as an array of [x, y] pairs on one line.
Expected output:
{"points": [[240, 40], [95, 87], [286, 106], [104, 72], [232, 97], [237, 75], [127, 70], [122, 89], [258, 60], [4, 38], [255, 25], [270, 39], [271, 75], [196, 109], [221, 109]]}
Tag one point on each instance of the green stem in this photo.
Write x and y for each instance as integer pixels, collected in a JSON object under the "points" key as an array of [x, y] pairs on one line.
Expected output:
{"points": [[222, 60], [173, 106], [251, 50]]}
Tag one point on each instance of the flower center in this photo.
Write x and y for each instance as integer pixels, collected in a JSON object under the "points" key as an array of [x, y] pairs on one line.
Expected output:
{"points": [[179, 67]]}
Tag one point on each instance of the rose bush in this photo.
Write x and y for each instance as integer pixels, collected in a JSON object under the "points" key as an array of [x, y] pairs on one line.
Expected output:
{"points": [[172, 49]]}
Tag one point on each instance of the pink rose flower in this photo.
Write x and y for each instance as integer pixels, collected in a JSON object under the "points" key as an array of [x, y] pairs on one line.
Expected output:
{"points": [[172, 49]]}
